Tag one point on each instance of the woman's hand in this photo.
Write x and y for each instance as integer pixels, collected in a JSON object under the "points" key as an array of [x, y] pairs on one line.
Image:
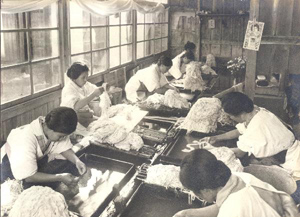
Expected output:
{"points": [[105, 86], [209, 139], [81, 167], [68, 178], [98, 91]]}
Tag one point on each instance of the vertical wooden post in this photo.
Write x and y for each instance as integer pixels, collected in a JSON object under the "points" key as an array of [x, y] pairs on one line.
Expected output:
{"points": [[200, 24], [251, 55]]}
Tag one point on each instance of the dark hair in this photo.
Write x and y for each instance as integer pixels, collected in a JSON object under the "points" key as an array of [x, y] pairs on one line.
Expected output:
{"points": [[62, 120], [166, 61], [235, 103], [200, 170], [76, 69], [189, 55], [189, 46], [255, 25]]}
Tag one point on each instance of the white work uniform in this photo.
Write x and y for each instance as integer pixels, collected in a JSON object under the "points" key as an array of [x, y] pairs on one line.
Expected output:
{"points": [[242, 197], [72, 93], [266, 136], [175, 69], [28, 144], [150, 77]]}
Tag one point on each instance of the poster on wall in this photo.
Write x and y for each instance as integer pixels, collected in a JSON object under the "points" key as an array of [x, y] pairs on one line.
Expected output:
{"points": [[253, 35]]}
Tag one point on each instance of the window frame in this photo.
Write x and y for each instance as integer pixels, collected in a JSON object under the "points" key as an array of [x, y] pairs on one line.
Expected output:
{"points": [[108, 47], [144, 24], [30, 62], [64, 49]]}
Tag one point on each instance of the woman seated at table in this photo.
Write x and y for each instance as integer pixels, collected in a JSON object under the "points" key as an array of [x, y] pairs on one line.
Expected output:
{"points": [[177, 61], [234, 194], [261, 135], [149, 80], [32, 147], [79, 93]]}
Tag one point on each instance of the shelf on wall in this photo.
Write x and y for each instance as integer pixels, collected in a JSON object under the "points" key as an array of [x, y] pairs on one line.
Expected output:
{"points": [[223, 15]]}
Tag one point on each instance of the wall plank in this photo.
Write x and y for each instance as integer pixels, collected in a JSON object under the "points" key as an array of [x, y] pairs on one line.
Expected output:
{"points": [[226, 51], [296, 19], [285, 17], [294, 60], [228, 6], [227, 29], [216, 50]]}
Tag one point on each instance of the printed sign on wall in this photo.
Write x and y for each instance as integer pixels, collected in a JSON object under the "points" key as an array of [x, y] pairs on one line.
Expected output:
{"points": [[253, 35]]}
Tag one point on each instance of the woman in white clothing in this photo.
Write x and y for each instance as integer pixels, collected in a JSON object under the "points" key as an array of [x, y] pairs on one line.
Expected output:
{"points": [[149, 80], [78, 93], [261, 135], [175, 70], [234, 194]]}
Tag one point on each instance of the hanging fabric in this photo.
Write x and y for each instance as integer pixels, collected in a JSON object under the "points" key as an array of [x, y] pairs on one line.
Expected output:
{"points": [[20, 6], [110, 7], [95, 7]]}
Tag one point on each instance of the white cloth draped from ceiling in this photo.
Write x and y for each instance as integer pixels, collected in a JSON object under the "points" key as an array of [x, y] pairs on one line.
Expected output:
{"points": [[110, 7], [19, 6], [104, 8]]}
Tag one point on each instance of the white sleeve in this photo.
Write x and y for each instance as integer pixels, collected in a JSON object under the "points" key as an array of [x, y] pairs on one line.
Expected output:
{"points": [[90, 88], [23, 157], [246, 203], [62, 146], [163, 81], [175, 69], [69, 97], [255, 144], [149, 78], [241, 128]]}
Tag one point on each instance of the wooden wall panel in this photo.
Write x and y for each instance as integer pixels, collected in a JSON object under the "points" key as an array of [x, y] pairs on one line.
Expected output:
{"points": [[238, 29], [285, 16], [216, 33], [237, 51], [110, 79], [205, 48], [296, 19], [227, 28], [216, 49], [26, 117], [240, 5], [207, 5], [264, 59], [205, 31], [266, 15], [226, 51], [217, 6], [228, 6], [294, 60]]}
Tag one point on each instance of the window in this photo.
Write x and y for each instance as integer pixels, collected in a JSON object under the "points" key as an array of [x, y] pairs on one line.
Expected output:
{"points": [[30, 56], [33, 55], [102, 42], [152, 33]]}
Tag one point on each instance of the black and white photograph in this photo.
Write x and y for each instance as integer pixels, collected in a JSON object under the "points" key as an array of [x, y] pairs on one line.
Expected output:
{"points": [[150, 108]]}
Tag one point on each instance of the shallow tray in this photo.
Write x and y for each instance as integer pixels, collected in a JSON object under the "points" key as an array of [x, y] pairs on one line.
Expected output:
{"points": [[178, 149], [146, 129], [115, 174], [153, 201]]}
